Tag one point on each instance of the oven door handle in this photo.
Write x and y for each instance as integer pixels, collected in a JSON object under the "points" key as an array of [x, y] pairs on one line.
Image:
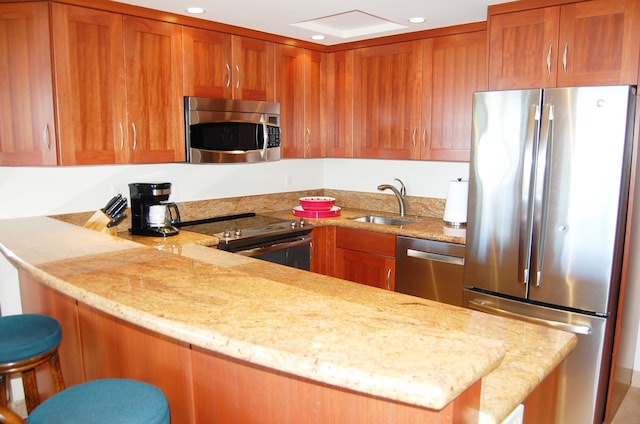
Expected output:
{"points": [[275, 247]]}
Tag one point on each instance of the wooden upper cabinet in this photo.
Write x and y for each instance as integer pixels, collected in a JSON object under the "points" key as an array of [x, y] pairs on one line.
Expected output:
{"points": [[226, 66], [155, 109], [314, 135], [207, 63], [27, 131], [298, 73], [599, 43], [585, 43], [90, 85], [388, 85], [252, 69], [119, 88], [523, 49], [290, 95], [337, 105], [454, 68]]}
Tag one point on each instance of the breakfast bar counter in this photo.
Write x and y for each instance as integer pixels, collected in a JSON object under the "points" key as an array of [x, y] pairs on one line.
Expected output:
{"points": [[227, 325]]}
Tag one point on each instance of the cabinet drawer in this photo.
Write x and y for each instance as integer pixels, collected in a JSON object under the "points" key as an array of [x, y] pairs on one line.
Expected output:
{"points": [[366, 241]]}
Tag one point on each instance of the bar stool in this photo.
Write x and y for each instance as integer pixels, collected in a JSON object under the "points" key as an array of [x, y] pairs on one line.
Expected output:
{"points": [[26, 342], [106, 401]]}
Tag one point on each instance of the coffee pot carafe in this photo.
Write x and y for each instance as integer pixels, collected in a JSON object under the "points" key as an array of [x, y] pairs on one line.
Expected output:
{"points": [[151, 214]]}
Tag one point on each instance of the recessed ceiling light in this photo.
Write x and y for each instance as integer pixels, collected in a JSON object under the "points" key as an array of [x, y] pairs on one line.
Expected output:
{"points": [[195, 10], [318, 37], [417, 20]]}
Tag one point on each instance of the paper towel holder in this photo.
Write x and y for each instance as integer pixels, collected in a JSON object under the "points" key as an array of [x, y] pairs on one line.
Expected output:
{"points": [[455, 211]]}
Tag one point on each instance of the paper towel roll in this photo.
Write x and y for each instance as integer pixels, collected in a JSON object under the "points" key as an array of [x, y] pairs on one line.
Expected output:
{"points": [[455, 209]]}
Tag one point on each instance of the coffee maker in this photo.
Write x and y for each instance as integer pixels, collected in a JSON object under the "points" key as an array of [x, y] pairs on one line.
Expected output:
{"points": [[151, 214]]}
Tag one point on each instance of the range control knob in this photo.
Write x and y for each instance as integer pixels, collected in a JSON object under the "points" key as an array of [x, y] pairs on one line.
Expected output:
{"points": [[238, 232]]}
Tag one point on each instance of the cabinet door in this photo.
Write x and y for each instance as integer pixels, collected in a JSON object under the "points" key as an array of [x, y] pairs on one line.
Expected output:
{"points": [[387, 113], [153, 53], [314, 137], [365, 268], [253, 69], [599, 42], [523, 49], [207, 63], [337, 107], [454, 68], [90, 86], [290, 94], [365, 257], [27, 132]]}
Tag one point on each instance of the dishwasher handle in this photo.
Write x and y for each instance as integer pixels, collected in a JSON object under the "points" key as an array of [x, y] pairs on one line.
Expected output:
{"points": [[481, 306], [419, 254]]}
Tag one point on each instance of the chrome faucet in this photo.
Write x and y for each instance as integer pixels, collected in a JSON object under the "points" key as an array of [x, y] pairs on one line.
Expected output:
{"points": [[400, 194]]}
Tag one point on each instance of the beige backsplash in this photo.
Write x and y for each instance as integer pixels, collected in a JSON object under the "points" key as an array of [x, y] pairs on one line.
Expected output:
{"points": [[262, 203]]}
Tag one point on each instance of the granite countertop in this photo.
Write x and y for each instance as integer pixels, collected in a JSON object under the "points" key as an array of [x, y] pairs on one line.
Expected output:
{"points": [[329, 330]]}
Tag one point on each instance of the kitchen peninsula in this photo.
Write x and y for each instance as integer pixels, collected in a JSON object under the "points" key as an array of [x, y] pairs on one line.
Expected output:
{"points": [[233, 339]]}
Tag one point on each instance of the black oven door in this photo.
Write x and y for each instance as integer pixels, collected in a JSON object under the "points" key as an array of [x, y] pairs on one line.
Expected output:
{"points": [[294, 252]]}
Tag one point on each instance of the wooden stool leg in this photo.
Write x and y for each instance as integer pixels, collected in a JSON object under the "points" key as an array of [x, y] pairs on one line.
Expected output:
{"points": [[31, 395], [56, 373], [3, 390]]}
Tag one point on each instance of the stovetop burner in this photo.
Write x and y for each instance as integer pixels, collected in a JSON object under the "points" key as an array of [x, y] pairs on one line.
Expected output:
{"points": [[246, 230]]}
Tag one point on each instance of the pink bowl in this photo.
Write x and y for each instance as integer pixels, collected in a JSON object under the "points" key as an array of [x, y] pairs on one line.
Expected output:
{"points": [[317, 203]]}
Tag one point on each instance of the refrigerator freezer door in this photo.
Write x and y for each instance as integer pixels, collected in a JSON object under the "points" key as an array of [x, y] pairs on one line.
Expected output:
{"points": [[580, 200], [582, 387], [505, 134]]}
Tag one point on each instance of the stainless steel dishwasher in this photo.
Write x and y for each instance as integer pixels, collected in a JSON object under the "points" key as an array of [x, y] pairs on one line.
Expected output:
{"points": [[430, 269]]}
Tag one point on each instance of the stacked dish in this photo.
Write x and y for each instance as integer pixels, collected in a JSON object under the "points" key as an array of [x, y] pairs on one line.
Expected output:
{"points": [[316, 207]]}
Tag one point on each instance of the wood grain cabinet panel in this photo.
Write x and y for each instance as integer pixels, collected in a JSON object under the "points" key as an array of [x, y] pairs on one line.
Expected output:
{"points": [[584, 43], [27, 130], [298, 73], [153, 63], [388, 85], [454, 68], [119, 87], [225, 66], [207, 63], [253, 70], [90, 85], [365, 257], [337, 105]]}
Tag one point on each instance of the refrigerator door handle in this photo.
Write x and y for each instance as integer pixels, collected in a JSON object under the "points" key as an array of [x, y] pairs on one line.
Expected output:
{"points": [[482, 306], [539, 214], [526, 225]]}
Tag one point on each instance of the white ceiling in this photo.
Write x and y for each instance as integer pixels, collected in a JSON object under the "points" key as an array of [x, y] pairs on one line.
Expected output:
{"points": [[277, 16]]}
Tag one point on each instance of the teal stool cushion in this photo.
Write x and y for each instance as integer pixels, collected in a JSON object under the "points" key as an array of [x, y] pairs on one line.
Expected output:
{"points": [[28, 335], [107, 401]]}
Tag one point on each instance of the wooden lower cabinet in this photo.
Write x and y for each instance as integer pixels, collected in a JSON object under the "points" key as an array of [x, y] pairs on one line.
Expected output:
{"points": [[204, 387], [365, 257]]}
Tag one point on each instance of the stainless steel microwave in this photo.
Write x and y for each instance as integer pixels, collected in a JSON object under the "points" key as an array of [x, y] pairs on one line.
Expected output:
{"points": [[231, 131]]}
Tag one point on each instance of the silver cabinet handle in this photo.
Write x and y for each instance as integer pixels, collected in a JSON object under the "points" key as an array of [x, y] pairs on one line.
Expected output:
{"points": [[481, 306], [238, 72], [564, 57], [549, 59], [46, 137], [419, 254], [413, 137], [228, 68], [135, 135], [424, 137], [389, 279], [121, 136], [308, 136]]}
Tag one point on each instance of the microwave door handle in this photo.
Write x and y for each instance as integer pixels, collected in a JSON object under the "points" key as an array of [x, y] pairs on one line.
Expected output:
{"points": [[265, 141]]}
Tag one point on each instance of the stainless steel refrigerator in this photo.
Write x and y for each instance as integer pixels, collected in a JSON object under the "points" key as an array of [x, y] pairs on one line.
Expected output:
{"points": [[548, 192]]}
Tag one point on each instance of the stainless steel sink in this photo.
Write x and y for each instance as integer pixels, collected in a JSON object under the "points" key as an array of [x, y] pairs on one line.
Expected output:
{"points": [[383, 220]]}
